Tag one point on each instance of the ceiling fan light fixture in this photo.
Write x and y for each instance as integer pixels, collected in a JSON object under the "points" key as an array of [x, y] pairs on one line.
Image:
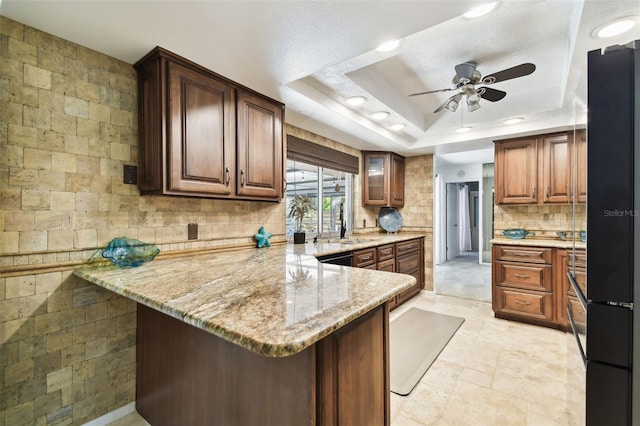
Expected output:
{"points": [[513, 120], [464, 129], [615, 27], [388, 46], [481, 10], [379, 115], [453, 102], [473, 106], [356, 100]]}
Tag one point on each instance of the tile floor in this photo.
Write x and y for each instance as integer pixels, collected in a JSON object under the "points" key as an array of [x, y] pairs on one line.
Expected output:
{"points": [[492, 372], [464, 277]]}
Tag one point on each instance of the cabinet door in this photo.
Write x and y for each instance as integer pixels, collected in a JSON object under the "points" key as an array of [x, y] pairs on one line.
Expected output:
{"points": [[397, 181], [200, 146], [556, 169], [260, 148], [516, 172], [581, 166], [376, 188]]}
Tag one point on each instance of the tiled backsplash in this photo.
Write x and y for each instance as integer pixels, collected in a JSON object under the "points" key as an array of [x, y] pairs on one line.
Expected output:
{"points": [[543, 220]]}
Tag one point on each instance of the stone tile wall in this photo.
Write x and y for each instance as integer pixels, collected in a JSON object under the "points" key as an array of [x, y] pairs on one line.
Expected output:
{"points": [[543, 220]]}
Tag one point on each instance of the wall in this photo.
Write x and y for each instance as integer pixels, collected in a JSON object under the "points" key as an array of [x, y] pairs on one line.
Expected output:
{"points": [[68, 124], [543, 220]]}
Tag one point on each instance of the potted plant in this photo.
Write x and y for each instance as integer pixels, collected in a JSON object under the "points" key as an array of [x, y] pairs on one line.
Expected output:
{"points": [[299, 207]]}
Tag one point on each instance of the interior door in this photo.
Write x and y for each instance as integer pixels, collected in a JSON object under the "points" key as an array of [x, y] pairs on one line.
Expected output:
{"points": [[452, 221], [474, 219]]}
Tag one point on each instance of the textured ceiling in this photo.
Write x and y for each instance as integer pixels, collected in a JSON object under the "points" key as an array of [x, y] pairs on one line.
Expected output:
{"points": [[312, 55]]}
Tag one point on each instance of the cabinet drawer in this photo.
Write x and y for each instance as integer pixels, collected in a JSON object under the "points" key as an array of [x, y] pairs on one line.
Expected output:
{"points": [[407, 247], [578, 312], [524, 254], [386, 252], [362, 258], [581, 278], [411, 291], [531, 304], [388, 265], [579, 261], [532, 277], [408, 264]]}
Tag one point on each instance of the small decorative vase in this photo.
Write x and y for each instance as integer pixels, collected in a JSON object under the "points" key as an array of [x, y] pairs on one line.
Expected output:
{"points": [[299, 237], [129, 252]]}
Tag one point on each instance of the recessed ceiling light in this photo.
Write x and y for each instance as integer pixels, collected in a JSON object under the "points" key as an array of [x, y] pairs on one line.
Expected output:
{"points": [[388, 46], [514, 120], [397, 126], [479, 11], [356, 100], [379, 115], [616, 27], [464, 129]]}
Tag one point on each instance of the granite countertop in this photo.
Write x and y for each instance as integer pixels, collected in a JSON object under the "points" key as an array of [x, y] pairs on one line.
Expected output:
{"points": [[274, 301], [539, 242]]}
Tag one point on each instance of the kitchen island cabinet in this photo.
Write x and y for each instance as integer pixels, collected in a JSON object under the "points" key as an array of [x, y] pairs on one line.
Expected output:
{"points": [[259, 336]]}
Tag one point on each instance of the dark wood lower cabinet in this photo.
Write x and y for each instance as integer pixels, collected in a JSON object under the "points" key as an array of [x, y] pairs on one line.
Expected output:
{"points": [[186, 376]]}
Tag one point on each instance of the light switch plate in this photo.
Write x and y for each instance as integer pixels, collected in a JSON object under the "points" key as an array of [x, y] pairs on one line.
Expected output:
{"points": [[130, 174]]}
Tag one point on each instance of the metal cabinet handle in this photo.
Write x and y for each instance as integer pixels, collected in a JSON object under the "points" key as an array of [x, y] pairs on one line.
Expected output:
{"points": [[284, 186], [393, 195], [241, 177], [228, 176], [522, 254], [384, 195], [366, 257], [522, 275], [547, 194], [519, 302], [533, 192]]}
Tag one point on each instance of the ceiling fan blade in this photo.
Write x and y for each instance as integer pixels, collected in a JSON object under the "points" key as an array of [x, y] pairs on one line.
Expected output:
{"points": [[431, 91], [513, 72], [490, 94], [465, 70]]}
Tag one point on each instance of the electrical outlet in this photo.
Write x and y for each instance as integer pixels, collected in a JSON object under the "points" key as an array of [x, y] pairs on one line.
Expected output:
{"points": [[130, 175], [192, 231]]}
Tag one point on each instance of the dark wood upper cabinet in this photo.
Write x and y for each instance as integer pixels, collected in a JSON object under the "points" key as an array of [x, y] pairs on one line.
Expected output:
{"points": [[516, 172], [259, 171], [555, 169], [383, 179], [542, 169], [580, 142], [203, 135]]}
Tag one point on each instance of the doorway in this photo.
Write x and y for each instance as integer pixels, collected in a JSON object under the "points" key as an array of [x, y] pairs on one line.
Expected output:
{"points": [[460, 209]]}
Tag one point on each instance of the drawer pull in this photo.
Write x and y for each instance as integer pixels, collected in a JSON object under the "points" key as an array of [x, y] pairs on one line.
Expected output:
{"points": [[522, 275], [367, 257], [520, 302], [386, 251], [522, 254]]}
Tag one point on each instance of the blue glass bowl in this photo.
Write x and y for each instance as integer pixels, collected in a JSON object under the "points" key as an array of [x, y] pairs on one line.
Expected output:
{"points": [[129, 252], [516, 234], [583, 236]]}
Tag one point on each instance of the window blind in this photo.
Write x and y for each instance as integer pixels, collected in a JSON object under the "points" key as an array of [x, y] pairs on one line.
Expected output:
{"points": [[320, 155]]}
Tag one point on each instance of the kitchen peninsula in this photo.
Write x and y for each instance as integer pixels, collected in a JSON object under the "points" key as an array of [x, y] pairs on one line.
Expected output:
{"points": [[260, 336]]}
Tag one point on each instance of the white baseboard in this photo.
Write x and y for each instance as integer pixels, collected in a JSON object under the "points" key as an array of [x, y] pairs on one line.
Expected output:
{"points": [[112, 416]]}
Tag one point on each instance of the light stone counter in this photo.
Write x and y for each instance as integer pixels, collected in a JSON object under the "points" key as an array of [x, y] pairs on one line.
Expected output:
{"points": [[533, 242], [274, 301]]}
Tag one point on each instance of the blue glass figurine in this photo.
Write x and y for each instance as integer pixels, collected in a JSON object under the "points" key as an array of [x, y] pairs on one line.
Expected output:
{"points": [[262, 238]]}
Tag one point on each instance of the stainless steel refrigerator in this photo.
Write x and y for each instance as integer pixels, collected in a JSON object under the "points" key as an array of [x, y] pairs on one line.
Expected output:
{"points": [[610, 339]]}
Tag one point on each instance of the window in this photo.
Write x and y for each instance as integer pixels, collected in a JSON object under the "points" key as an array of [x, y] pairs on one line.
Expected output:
{"points": [[332, 193]]}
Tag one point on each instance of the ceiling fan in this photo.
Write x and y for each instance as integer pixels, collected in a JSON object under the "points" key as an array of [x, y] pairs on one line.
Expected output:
{"points": [[465, 80]]}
